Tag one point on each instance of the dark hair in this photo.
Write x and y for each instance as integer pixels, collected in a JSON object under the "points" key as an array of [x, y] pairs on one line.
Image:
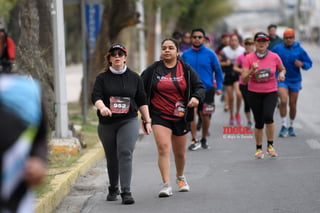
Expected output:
{"points": [[2, 30], [173, 40], [177, 35], [272, 26], [198, 30]]}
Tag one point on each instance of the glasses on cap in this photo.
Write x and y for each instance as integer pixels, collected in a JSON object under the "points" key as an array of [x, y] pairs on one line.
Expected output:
{"points": [[119, 53]]}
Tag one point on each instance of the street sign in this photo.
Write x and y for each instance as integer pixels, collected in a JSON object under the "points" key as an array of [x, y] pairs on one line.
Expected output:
{"points": [[93, 23]]}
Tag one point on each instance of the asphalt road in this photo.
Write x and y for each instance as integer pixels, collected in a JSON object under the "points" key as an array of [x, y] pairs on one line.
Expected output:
{"points": [[225, 178]]}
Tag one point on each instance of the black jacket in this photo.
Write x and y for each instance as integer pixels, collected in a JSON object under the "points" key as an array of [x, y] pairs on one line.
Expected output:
{"points": [[195, 88], [128, 84]]}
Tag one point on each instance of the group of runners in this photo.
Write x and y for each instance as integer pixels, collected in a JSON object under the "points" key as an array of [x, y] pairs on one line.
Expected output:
{"points": [[176, 92], [233, 53]]}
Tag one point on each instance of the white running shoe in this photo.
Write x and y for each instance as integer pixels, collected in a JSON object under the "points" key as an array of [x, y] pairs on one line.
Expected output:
{"points": [[166, 190], [182, 184]]}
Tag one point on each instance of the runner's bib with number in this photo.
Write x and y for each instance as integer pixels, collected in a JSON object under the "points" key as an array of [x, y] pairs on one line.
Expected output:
{"points": [[119, 105], [208, 108], [262, 75], [179, 109]]}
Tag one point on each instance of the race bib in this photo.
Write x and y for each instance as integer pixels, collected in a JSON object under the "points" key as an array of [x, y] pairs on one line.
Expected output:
{"points": [[119, 105], [262, 75], [208, 108], [179, 109]]}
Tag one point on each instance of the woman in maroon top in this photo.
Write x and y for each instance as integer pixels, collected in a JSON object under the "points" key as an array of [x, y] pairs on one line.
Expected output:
{"points": [[173, 90]]}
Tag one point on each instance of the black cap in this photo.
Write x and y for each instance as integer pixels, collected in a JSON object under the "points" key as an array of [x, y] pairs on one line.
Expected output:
{"points": [[117, 46], [261, 36]]}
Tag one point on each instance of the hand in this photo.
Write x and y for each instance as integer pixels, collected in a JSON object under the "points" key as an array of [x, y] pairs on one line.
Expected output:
{"points": [[298, 63], [255, 65], [194, 102], [148, 128], [106, 112], [218, 92], [281, 77], [35, 170]]}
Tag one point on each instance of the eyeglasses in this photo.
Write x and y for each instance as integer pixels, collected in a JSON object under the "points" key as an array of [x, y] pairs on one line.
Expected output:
{"points": [[289, 37], [195, 37], [119, 53]]}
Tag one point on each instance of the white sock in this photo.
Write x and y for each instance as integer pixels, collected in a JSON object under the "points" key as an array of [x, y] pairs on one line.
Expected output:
{"points": [[284, 121], [291, 122]]}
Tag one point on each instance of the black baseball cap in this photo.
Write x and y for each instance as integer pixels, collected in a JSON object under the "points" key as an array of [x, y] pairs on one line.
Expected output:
{"points": [[117, 46], [261, 36]]}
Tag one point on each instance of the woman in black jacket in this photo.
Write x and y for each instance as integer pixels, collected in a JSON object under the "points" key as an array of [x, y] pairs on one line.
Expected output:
{"points": [[118, 94], [173, 90]]}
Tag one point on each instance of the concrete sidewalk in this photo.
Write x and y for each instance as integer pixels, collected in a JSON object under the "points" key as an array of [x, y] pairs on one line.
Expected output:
{"points": [[65, 178]]}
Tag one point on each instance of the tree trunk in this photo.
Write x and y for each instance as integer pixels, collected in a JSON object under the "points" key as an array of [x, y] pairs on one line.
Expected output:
{"points": [[117, 15], [34, 47]]}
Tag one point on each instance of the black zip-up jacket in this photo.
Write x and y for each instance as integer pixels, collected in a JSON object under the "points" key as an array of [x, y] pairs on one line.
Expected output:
{"points": [[195, 88], [129, 84]]}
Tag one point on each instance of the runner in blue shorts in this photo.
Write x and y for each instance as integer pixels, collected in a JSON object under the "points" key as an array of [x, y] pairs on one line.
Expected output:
{"points": [[294, 58]]}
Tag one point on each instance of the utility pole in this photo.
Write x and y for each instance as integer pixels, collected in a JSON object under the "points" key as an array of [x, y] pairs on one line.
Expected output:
{"points": [[84, 64], [142, 39], [61, 107], [297, 19], [62, 142], [158, 29]]}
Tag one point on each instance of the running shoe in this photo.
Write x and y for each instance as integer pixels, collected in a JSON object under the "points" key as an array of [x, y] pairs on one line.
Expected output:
{"points": [[226, 108], [204, 143], [231, 121], [166, 190], [182, 184], [259, 154], [238, 119], [113, 193], [291, 131], [283, 132], [250, 125], [271, 152], [195, 144]]}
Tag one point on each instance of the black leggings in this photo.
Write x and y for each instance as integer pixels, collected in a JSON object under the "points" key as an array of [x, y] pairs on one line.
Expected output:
{"points": [[262, 106], [244, 92], [118, 140]]}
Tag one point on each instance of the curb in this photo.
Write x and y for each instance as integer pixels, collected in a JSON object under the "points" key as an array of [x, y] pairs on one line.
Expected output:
{"points": [[61, 184]]}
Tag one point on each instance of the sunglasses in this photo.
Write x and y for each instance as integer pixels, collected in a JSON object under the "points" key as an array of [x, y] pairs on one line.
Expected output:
{"points": [[119, 53], [248, 43], [195, 37], [289, 37]]}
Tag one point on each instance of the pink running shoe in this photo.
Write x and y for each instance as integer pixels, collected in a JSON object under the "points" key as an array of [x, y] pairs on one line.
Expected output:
{"points": [[238, 119], [271, 152], [231, 122], [259, 154]]}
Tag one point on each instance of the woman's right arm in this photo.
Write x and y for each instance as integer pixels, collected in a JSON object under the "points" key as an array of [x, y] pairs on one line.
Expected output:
{"points": [[97, 97]]}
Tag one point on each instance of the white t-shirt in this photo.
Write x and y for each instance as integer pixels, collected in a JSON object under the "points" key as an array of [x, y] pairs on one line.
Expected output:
{"points": [[232, 54]]}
